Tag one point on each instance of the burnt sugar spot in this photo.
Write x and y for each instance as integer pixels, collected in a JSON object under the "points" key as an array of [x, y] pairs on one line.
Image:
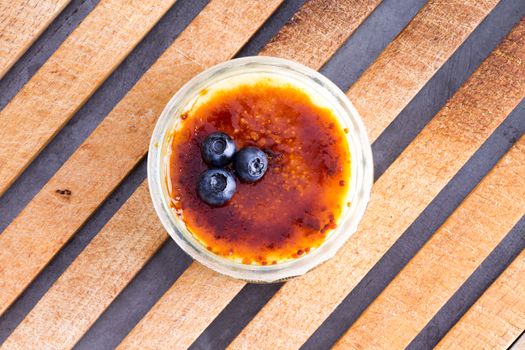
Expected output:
{"points": [[292, 208]]}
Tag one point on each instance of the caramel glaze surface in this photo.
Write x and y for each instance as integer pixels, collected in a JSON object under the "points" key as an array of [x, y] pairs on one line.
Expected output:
{"points": [[300, 198]]}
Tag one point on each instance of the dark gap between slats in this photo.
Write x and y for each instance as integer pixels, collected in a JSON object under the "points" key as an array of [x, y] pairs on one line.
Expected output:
{"points": [[514, 344], [419, 232], [370, 39], [501, 257], [236, 315], [137, 299], [66, 142], [60, 262], [359, 51], [38, 53], [165, 267], [270, 28]]}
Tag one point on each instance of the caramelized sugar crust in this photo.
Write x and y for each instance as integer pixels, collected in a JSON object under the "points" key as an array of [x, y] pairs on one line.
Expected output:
{"points": [[300, 198]]}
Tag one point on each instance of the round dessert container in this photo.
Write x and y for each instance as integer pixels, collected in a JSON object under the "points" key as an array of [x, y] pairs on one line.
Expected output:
{"points": [[314, 84]]}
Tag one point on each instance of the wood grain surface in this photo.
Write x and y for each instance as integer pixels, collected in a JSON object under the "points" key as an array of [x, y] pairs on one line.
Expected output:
{"points": [[497, 318], [398, 197], [59, 320], [85, 158], [69, 77], [144, 334], [21, 23], [85, 290], [405, 66], [444, 263], [76, 190], [318, 29], [178, 319]]}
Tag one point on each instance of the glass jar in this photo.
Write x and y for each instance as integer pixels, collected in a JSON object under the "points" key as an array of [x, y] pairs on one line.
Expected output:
{"points": [[314, 84]]}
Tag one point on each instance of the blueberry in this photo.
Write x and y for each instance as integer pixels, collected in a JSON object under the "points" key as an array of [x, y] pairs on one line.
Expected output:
{"points": [[250, 164], [218, 149], [216, 187]]}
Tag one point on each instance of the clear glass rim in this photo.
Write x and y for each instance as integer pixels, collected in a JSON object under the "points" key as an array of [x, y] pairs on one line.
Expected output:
{"points": [[361, 176]]}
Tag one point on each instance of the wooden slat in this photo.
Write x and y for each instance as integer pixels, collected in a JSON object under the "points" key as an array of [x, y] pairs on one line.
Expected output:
{"points": [[425, 284], [498, 316], [398, 197], [60, 328], [395, 55], [410, 61], [69, 77], [33, 238], [21, 23], [181, 320], [128, 140], [318, 29]]}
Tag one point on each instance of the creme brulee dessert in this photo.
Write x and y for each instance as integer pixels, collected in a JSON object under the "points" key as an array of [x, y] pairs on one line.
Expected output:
{"points": [[259, 170]]}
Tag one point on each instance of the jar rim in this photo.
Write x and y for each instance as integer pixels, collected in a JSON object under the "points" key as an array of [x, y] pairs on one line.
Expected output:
{"points": [[361, 171]]}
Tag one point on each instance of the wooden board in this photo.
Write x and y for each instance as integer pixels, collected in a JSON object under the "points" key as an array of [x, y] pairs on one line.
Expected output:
{"points": [[425, 284], [145, 331], [21, 23], [33, 238], [61, 327], [409, 62], [84, 159], [116, 254], [69, 77], [318, 29], [176, 320], [398, 197], [497, 319]]}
